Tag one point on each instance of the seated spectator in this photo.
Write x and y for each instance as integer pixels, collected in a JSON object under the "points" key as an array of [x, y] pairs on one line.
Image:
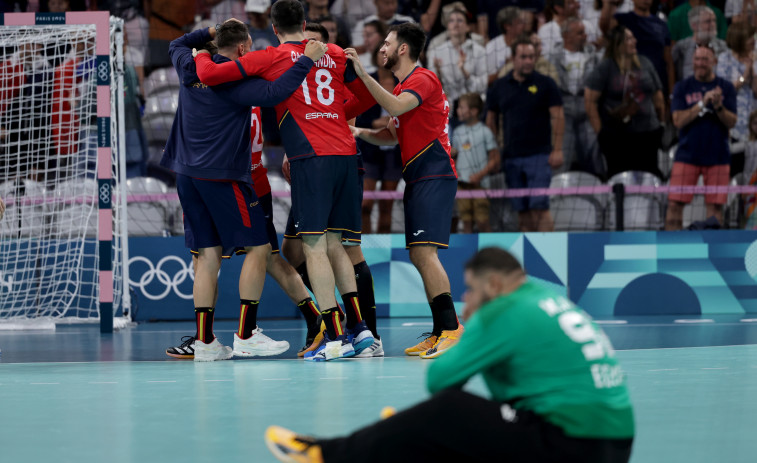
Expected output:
{"points": [[624, 104], [704, 27], [574, 61], [650, 32], [704, 109], [532, 128], [476, 157], [318, 11], [736, 66], [386, 12], [498, 52], [442, 37], [459, 62], [551, 33], [261, 30], [680, 25], [374, 33], [543, 65]]}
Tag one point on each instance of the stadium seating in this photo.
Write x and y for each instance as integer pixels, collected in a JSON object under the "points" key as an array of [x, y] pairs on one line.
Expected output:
{"points": [[148, 218], [577, 212], [640, 211], [160, 80], [74, 207]]}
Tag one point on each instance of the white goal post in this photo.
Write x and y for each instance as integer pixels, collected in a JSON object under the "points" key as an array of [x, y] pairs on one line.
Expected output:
{"points": [[63, 240]]}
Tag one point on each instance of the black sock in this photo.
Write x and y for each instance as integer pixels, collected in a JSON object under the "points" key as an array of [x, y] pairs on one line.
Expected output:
{"points": [[352, 309], [309, 311], [331, 320], [366, 296], [248, 317], [204, 319], [302, 269], [443, 313]]}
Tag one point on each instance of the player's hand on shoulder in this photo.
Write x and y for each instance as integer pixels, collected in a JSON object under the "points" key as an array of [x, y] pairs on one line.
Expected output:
{"points": [[315, 50], [196, 52], [352, 55]]}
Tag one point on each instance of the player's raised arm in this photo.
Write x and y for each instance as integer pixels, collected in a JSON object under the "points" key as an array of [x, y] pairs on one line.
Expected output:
{"points": [[259, 92], [180, 51], [394, 105]]}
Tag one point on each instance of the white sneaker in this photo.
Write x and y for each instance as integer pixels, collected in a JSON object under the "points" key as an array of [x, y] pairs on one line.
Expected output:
{"points": [[258, 345], [211, 352], [375, 350]]}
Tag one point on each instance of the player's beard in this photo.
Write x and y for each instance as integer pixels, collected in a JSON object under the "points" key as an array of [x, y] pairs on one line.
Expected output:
{"points": [[391, 61]]}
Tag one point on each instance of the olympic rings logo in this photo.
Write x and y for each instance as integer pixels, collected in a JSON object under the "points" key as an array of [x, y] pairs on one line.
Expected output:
{"points": [[105, 193], [154, 272], [103, 71]]}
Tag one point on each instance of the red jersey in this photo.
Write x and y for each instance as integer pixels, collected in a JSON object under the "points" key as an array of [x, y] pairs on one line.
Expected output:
{"points": [[312, 121], [259, 173], [423, 132]]}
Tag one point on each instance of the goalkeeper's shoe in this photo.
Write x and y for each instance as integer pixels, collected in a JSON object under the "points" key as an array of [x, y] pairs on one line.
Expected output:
{"points": [[185, 351], [292, 448], [448, 339], [258, 345], [427, 343], [212, 351]]}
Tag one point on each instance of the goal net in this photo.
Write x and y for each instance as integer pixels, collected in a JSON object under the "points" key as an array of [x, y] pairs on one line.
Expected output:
{"points": [[63, 238]]}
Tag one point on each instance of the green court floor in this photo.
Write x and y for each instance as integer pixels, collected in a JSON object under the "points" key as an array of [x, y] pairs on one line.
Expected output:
{"points": [[692, 404]]}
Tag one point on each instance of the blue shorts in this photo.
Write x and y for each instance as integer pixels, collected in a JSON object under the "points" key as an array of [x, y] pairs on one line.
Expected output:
{"points": [[220, 213], [325, 195], [428, 212], [388, 166], [266, 201], [529, 172]]}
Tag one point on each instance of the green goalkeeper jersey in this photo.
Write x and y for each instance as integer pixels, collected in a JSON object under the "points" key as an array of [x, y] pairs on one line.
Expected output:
{"points": [[537, 351]]}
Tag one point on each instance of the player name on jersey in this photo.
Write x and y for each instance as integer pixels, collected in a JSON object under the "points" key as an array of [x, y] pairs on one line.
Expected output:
{"points": [[325, 62]]}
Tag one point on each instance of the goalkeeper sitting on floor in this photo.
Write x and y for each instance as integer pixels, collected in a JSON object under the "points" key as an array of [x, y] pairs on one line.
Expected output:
{"points": [[557, 391]]}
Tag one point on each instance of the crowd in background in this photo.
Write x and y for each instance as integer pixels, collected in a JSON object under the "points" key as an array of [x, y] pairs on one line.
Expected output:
{"points": [[614, 65]]}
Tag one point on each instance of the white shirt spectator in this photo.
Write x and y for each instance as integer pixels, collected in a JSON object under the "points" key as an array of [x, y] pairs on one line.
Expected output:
{"points": [[497, 54], [452, 78], [357, 31], [551, 36], [353, 11]]}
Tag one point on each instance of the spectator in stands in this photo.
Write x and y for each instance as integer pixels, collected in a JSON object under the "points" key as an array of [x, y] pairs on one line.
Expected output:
{"points": [[649, 31], [374, 33], [382, 163], [261, 31], [740, 11], [221, 10], [532, 128], [476, 157], [386, 12], [704, 109], [736, 66], [488, 11], [498, 52], [551, 33], [680, 24], [432, 17], [704, 27], [574, 61], [624, 103], [442, 37], [318, 11], [543, 65], [460, 63], [168, 19], [591, 10], [750, 157], [353, 11]]}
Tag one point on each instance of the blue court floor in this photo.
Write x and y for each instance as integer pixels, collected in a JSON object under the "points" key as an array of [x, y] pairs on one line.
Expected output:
{"points": [[75, 396]]}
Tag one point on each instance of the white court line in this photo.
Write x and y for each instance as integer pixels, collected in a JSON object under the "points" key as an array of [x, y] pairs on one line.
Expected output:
{"points": [[103, 382], [611, 322], [384, 377], [417, 324], [665, 369], [338, 377], [280, 379], [694, 320], [748, 320], [715, 368], [161, 381], [217, 380], [44, 383]]}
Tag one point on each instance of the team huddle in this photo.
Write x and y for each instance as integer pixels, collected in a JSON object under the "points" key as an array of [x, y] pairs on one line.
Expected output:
{"points": [[316, 90]]}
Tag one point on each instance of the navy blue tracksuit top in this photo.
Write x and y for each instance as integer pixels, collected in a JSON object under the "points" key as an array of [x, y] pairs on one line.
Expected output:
{"points": [[210, 136]]}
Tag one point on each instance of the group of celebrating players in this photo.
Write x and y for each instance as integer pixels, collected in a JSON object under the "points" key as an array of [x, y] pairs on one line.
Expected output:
{"points": [[317, 89]]}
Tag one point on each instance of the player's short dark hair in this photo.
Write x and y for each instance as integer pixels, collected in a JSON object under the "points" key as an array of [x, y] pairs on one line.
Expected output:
{"points": [[318, 29], [287, 16], [493, 259], [474, 101], [522, 40], [412, 35], [211, 47], [231, 34]]}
